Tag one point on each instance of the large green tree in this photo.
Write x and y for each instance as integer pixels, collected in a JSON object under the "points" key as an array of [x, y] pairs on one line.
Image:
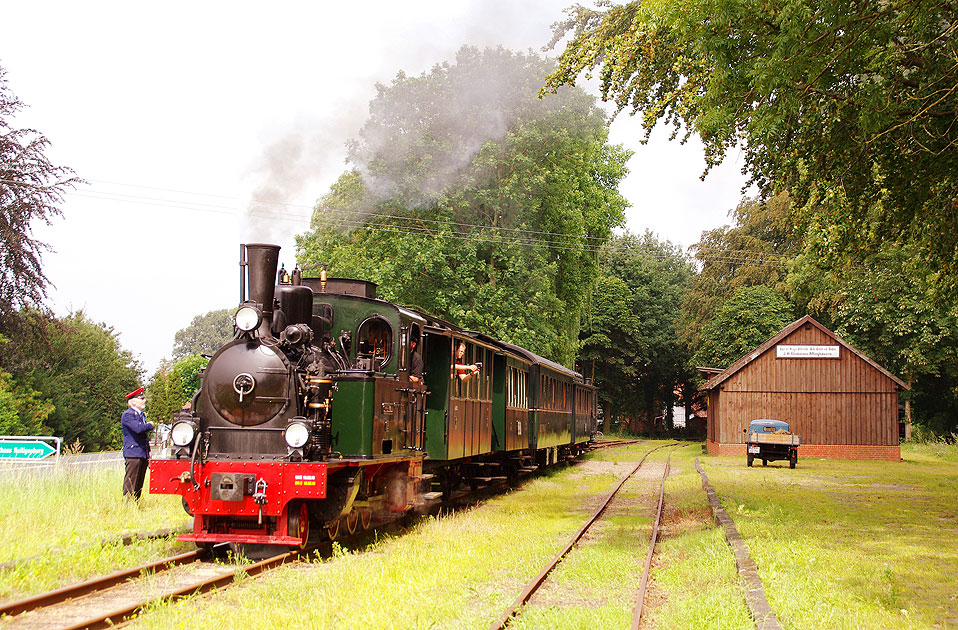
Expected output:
{"points": [[22, 410], [849, 106], [31, 189], [629, 337], [755, 250], [886, 308], [205, 334], [473, 199], [172, 385], [79, 367], [748, 318]]}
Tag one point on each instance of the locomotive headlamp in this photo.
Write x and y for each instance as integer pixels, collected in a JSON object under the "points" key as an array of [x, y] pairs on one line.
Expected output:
{"points": [[247, 318], [296, 434], [183, 432]]}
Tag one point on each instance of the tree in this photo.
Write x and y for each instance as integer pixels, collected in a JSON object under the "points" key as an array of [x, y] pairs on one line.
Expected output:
{"points": [[755, 250], [205, 334], [850, 107], [80, 368], [474, 200], [629, 341], [750, 317], [22, 411], [885, 308], [31, 188], [171, 386]]}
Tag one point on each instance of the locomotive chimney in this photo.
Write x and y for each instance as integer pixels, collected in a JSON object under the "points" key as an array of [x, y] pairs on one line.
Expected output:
{"points": [[261, 262]]}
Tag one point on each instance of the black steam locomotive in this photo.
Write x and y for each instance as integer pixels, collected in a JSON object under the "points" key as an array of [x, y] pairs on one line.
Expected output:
{"points": [[319, 412]]}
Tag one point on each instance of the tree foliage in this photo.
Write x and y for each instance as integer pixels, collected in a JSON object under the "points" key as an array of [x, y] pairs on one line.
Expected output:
{"points": [[22, 410], [629, 340], [847, 106], [754, 251], [172, 385], [474, 200], [747, 319], [31, 188], [886, 308], [205, 334], [78, 367]]}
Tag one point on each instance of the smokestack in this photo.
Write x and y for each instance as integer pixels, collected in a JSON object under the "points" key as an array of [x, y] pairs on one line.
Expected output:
{"points": [[262, 260]]}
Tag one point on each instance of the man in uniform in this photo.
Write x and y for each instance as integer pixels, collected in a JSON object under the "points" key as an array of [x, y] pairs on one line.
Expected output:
{"points": [[136, 445]]}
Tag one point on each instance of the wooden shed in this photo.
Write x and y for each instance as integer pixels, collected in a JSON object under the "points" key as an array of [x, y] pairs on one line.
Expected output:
{"points": [[841, 402]]}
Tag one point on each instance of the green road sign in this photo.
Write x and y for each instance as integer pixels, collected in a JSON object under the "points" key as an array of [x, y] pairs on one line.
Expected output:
{"points": [[25, 449]]}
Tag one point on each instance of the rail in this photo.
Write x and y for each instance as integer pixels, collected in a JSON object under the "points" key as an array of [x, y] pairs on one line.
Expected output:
{"points": [[537, 581]]}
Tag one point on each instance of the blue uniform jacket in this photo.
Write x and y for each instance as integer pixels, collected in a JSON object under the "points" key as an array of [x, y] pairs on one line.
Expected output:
{"points": [[136, 442]]}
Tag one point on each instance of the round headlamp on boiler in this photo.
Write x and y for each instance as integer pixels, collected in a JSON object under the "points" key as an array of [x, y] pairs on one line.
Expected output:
{"points": [[248, 317]]}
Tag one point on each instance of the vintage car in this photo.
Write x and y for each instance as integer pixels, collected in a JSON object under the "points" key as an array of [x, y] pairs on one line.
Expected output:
{"points": [[770, 440]]}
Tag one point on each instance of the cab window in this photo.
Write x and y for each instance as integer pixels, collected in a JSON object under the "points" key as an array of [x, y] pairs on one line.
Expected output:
{"points": [[375, 340]]}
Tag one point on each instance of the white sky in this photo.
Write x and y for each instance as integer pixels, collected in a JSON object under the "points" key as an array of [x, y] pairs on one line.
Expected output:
{"points": [[169, 111]]}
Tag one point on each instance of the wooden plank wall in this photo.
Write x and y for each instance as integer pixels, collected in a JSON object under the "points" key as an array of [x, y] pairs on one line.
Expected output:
{"points": [[827, 401]]}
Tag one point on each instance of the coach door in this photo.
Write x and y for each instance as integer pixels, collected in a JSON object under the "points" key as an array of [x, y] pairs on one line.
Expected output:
{"points": [[470, 417]]}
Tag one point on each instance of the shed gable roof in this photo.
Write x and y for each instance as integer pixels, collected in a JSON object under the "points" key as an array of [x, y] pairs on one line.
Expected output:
{"points": [[728, 372]]}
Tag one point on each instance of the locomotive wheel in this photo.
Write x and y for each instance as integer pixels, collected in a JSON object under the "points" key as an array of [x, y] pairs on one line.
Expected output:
{"points": [[297, 523], [366, 518], [333, 530], [351, 520]]}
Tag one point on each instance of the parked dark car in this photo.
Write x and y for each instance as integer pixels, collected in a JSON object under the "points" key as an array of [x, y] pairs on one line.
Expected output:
{"points": [[770, 440]]}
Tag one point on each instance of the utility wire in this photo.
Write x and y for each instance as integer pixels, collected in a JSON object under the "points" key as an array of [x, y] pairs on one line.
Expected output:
{"points": [[354, 220]]}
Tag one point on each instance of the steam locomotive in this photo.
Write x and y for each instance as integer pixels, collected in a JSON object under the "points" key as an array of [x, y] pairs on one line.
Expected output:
{"points": [[314, 417]]}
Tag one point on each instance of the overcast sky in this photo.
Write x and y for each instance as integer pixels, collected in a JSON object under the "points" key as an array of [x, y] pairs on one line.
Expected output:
{"points": [[175, 114]]}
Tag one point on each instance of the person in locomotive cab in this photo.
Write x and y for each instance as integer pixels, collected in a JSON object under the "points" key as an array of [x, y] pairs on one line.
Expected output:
{"points": [[464, 371], [136, 445], [415, 362]]}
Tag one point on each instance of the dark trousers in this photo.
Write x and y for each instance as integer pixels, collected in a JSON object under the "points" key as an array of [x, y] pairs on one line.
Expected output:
{"points": [[134, 476]]}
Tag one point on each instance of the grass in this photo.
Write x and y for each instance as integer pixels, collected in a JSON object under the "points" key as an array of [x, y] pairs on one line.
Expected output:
{"points": [[456, 571], [851, 544], [52, 527], [839, 544], [694, 582]]}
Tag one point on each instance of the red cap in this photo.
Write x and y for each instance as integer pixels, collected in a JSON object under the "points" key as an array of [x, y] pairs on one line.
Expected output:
{"points": [[136, 393]]}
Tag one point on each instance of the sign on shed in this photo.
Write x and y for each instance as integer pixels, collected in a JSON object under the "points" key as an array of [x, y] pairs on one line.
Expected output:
{"points": [[784, 351]]}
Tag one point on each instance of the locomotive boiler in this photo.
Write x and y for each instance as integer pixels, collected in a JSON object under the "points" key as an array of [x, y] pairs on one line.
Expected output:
{"points": [[313, 418]]}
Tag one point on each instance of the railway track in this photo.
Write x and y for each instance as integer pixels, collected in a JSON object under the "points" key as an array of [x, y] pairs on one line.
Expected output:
{"points": [[534, 585], [107, 601], [597, 444]]}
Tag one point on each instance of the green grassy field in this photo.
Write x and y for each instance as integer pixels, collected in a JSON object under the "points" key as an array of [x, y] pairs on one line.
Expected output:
{"points": [[851, 544], [839, 544]]}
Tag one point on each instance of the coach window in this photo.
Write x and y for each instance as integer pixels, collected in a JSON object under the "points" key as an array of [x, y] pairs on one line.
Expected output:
{"points": [[375, 337]]}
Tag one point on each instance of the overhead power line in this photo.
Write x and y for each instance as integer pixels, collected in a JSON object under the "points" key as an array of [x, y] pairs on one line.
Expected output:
{"points": [[408, 224]]}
